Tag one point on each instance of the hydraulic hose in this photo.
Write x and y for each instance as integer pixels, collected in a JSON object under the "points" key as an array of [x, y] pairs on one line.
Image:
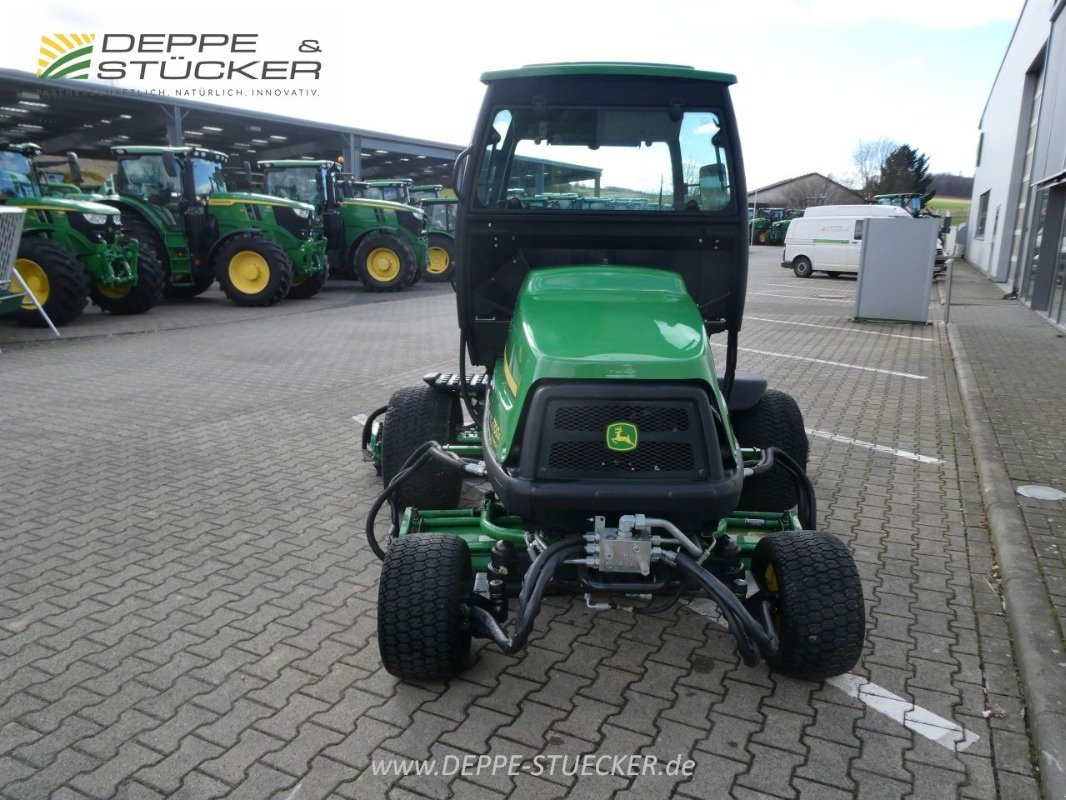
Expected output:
{"points": [[752, 637], [808, 503], [368, 426], [420, 456], [528, 606]]}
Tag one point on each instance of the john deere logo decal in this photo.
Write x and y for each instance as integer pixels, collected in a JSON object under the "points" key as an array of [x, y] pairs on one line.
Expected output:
{"points": [[65, 55], [622, 437]]}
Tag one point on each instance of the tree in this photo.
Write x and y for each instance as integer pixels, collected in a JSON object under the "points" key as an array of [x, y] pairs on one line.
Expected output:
{"points": [[869, 157], [906, 170]]}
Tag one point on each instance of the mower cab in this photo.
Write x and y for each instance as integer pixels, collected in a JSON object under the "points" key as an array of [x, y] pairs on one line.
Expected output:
{"points": [[623, 466]]}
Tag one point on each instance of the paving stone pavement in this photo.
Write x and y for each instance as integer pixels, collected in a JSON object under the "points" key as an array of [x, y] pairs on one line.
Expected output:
{"points": [[187, 604]]}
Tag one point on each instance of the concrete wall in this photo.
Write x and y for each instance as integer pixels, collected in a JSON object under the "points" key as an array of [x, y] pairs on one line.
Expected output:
{"points": [[1004, 127]]}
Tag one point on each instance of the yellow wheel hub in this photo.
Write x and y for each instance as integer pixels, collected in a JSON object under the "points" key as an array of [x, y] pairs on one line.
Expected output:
{"points": [[115, 292], [36, 280], [383, 264], [438, 260], [298, 279], [249, 272]]}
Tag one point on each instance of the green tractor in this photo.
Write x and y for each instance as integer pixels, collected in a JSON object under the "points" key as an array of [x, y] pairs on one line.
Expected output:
{"points": [[382, 243], [440, 219], [260, 248], [73, 249], [395, 190], [622, 466]]}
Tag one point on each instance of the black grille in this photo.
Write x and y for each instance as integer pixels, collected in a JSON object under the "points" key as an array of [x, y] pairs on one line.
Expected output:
{"points": [[669, 439], [597, 418], [412, 222], [594, 457]]}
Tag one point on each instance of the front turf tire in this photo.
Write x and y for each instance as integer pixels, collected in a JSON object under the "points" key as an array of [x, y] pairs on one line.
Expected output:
{"points": [[253, 270], [417, 415], [56, 278], [816, 602], [425, 586], [775, 421]]}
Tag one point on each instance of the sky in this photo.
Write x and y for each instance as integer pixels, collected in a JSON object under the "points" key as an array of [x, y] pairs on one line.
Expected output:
{"points": [[814, 76]]}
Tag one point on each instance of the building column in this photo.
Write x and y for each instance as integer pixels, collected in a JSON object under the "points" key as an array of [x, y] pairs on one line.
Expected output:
{"points": [[174, 115]]}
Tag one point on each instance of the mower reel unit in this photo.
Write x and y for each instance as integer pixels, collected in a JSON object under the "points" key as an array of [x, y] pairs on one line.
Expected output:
{"points": [[621, 465]]}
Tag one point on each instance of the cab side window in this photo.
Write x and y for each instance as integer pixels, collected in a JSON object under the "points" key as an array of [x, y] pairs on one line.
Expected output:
{"points": [[859, 224]]}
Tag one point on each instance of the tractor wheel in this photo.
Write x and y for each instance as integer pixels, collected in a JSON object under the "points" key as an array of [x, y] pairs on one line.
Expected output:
{"points": [[384, 263], [802, 266], [305, 286], [57, 280], [426, 582], [441, 258], [253, 271], [816, 602], [775, 421], [415, 416], [129, 299]]}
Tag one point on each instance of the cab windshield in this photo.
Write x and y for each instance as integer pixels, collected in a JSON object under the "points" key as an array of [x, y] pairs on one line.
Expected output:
{"points": [[146, 176], [295, 183], [207, 177], [587, 159], [17, 178]]}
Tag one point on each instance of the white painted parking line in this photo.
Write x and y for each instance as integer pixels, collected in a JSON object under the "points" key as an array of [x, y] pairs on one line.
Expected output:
{"points": [[838, 328], [359, 419], [795, 286], [922, 721], [801, 297], [836, 437], [910, 375]]}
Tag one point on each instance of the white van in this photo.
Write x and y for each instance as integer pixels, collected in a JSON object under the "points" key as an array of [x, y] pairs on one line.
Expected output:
{"points": [[829, 238]]}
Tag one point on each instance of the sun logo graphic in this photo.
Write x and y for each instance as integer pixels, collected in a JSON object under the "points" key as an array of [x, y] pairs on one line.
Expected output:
{"points": [[65, 55]]}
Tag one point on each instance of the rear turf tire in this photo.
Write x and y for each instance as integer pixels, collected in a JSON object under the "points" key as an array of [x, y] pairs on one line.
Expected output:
{"points": [[56, 278], [425, 585], [816, 602], [775, 421], [418, 415]]}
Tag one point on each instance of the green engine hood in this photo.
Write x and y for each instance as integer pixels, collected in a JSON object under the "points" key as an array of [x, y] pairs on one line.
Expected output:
{"points": [[234, 198], [63, 204], [597, 322]]}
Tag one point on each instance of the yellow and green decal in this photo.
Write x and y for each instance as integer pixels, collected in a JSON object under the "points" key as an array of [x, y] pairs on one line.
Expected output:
{"points": [[65, 55], [621, 437]]}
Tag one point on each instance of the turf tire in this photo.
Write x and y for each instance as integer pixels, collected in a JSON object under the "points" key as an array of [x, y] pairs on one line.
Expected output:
{"points": [[775, 421], [417, 415], [816, 600], [425, 585]]}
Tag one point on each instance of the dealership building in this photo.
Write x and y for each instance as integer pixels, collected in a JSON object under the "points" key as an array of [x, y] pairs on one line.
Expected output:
{"points": [[1018, 218]]}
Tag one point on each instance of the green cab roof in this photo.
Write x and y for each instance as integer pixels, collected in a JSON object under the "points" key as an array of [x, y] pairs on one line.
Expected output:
{"points": [[295, 162], [605, 68], [151, 150]]}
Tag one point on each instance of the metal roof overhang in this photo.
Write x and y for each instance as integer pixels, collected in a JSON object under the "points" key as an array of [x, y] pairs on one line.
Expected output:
{"points": [[90, 117]]}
